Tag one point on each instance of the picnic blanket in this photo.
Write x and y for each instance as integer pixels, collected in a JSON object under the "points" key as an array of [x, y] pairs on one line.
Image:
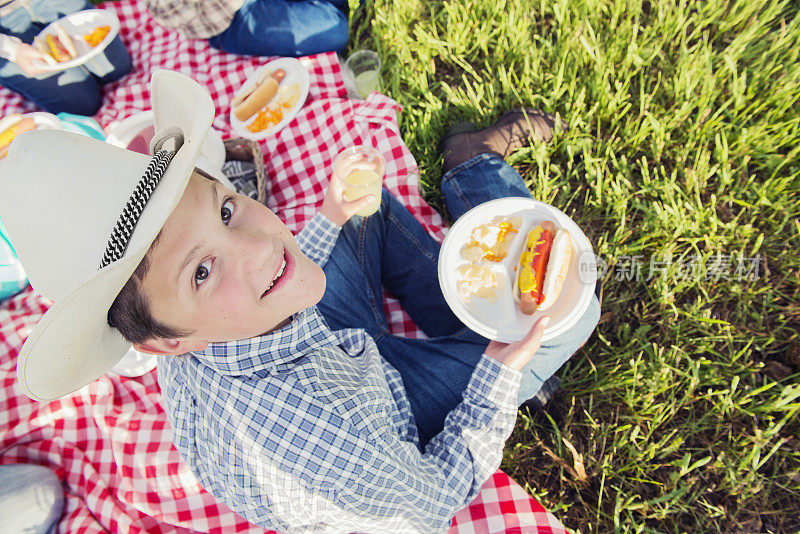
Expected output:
{"points": [[110, 442]]}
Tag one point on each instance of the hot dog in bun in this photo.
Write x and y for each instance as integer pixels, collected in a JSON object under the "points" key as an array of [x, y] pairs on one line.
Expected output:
{"points": [[542, 267], [11, 127], [58, 45], [246, 103]]}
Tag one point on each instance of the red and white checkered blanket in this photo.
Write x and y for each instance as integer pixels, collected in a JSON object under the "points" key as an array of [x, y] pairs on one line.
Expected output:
{"points": [[110, 442]]}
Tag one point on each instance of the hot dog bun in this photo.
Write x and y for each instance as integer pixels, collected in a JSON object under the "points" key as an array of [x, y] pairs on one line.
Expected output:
{"points": [[58, 45], [557, 267], [247, 103], [66, 41]]}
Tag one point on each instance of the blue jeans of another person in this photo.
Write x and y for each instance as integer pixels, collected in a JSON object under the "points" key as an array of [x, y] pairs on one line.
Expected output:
{"points": [[31, 499], [391, 249], [73, 90], [290, 28]]}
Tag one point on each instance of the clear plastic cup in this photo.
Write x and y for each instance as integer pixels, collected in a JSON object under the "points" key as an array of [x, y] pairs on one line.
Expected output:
{"points": [[360, 169], [364, 68]]}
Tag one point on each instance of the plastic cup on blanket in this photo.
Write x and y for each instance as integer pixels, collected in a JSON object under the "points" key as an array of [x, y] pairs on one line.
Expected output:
{"points": [[363, 68], [360, 169]]}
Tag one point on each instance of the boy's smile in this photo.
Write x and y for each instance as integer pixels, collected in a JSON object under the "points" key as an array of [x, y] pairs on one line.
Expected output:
{"points": [[225, 267]]}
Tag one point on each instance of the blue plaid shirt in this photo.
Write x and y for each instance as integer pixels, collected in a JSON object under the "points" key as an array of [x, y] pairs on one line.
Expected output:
{"points": [[309, 430]]}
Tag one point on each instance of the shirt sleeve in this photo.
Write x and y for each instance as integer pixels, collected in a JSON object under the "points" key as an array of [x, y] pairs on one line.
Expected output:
{"points": [[8, 47], [430, 488], [346, 481], [317, 238]]}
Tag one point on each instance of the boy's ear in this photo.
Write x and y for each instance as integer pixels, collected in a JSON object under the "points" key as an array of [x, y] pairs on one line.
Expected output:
{"points": [[171, 347]]}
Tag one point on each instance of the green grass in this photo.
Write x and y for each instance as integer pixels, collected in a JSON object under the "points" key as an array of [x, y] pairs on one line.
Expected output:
{"points": [[683, 143]]}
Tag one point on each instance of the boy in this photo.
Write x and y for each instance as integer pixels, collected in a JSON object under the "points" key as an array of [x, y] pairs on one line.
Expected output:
{"points": [[295, 406]]}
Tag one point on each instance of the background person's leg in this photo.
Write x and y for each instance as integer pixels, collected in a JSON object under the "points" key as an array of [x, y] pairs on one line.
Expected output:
{"points": [[31, 17], [47, 11], [286, 28], [31, 498], [113, 64], [73, 90]]}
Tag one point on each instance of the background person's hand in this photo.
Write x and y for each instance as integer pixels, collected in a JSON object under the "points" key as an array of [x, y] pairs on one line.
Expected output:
{"points": [[336, 208], [30, 60], [517, 355]]}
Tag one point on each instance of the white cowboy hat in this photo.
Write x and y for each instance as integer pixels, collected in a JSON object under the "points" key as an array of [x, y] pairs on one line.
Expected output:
{"points": [[69, 204]]}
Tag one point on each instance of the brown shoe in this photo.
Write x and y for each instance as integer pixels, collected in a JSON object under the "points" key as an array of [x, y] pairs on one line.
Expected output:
{"points": [[513, 130]]}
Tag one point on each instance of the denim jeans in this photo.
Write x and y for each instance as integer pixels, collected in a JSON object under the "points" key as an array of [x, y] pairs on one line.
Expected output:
{"points": [[31, 499], [73, 90], [285, 28], [391, 249]]}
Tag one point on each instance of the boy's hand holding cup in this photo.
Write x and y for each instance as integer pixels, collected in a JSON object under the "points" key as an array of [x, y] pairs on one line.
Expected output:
{"points": [[355, 187]]}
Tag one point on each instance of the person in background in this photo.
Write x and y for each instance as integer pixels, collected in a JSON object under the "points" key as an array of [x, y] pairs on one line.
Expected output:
{"points": [[73, 90], [290, 28]]}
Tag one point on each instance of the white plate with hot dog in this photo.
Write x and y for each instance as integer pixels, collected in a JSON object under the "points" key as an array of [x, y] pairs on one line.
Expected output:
{"points": [[16, 124], [65, 43], [479, 269], [270, 98]]}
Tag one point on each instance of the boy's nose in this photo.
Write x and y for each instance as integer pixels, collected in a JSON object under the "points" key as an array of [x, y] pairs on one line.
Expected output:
{"points": [[254, 249]]}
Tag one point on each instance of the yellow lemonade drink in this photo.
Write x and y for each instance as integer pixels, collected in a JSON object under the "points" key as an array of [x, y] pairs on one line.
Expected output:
{"points": [[359, 170], [364, 68], [363, 182], [368, 81]]}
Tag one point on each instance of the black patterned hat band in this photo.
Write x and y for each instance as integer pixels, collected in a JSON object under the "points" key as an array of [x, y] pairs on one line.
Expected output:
{"points": [[123, 229]]}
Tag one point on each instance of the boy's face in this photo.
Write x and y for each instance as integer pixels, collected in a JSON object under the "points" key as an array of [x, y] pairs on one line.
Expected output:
{"points": [[226, 268]]}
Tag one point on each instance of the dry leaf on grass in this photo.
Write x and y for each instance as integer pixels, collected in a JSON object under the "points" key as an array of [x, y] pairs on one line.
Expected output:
{"points": [[578, 471], [577, 460]]}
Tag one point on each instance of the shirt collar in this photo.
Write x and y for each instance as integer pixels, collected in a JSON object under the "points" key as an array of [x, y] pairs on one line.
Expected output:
{"points": [[304, 333]]}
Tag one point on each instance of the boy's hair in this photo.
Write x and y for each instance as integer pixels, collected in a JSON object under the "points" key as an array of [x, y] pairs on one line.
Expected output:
{"points": [[130, 313]]}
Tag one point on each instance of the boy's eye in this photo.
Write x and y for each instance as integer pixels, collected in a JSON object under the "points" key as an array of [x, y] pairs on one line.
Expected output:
{"points": [[227, 211], [202, 272]]}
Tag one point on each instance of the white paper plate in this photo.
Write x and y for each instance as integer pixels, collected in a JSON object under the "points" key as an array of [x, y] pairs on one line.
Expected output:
{"points": [[45, 121], [42, 120], [121, 133], [77, 25], [295, 72], [502, 320]]}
